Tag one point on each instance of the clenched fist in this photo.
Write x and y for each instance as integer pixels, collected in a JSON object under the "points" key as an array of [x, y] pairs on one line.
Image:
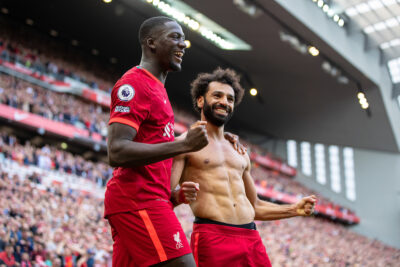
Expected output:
{"points": [[305, 207], [188, 192], [196, 137]]}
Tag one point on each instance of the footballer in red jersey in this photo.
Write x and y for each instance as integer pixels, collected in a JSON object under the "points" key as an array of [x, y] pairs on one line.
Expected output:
{"points": [[140, 146]]}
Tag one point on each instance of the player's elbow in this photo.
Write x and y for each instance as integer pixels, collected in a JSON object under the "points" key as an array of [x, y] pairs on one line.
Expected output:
{"points": [[258, 216], [114, 154], [112, 162]]}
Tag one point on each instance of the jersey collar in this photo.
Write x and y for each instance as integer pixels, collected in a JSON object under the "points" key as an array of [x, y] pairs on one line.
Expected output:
{"points": [[151, 75]]}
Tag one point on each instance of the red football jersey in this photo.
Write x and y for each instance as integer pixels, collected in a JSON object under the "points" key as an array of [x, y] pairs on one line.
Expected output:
{"points": [[140, 100]]}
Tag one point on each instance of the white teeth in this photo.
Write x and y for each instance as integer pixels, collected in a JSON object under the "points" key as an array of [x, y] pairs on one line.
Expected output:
{"points": [[179, 54]]}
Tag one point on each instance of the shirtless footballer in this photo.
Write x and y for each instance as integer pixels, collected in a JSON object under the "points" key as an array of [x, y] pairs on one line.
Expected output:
{"points": [[225, 203]]}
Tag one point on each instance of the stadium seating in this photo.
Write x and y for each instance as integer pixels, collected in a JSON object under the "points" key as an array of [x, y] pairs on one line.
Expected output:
{"points": [[90, 119], [42, 221], [51, 200]]}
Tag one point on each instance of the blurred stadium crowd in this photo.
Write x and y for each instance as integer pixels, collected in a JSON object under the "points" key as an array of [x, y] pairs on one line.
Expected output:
{"points": [[53, 225], [55, 106], [23, 45]]}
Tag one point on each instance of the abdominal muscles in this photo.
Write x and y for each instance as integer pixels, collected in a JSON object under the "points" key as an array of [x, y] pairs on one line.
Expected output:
{"points": [[222, 197]]}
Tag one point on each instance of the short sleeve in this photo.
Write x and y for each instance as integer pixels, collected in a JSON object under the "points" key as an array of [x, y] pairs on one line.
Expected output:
{"points": [[130, 103]]}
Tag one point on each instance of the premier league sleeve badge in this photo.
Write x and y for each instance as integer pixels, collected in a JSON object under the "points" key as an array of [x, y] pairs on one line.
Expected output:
{"points": [[126, 92]]}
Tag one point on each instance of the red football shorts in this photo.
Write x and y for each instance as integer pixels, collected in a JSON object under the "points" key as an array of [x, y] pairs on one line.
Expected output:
{"points": [[220, 245], [146, 237]]}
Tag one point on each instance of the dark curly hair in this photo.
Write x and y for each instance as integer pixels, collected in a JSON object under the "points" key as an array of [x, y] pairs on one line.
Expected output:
{"points": [[199, 87]]}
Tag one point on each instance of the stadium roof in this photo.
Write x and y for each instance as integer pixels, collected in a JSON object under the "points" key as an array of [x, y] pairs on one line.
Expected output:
{"points": [[300, 96], [380, 21]]}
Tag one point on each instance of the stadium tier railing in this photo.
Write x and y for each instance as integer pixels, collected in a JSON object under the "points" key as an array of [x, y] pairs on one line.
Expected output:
{"points": [[77, 88], [69, 85]]}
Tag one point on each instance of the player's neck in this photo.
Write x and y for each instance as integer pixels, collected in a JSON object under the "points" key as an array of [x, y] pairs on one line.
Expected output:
{"points": [[154, 69], [213, 131]]}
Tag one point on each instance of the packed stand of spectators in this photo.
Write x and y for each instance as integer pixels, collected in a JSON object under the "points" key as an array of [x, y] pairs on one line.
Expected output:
{"points": [[55, 106], [51, 158], [63, 107], [318, 242], [57, 227], [46, 55], [44, 228]]}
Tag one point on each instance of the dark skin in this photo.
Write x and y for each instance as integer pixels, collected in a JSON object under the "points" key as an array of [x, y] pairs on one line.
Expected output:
{"points": [[158, 50], [159, 57], [123, 152]]}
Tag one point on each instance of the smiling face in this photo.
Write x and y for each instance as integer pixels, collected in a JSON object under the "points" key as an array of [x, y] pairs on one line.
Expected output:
{"points": [[168, 46], [218, 103]]}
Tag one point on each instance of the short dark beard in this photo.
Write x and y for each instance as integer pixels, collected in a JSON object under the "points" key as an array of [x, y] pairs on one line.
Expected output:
{"points": [[215, 119]]}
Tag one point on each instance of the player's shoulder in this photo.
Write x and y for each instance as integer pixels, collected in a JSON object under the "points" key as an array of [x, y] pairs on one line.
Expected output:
{"points": [[131, 83], [134, 77], [234, 152]]}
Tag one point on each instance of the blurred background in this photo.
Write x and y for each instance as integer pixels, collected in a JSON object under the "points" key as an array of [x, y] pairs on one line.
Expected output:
{"points": [[321, 115]]}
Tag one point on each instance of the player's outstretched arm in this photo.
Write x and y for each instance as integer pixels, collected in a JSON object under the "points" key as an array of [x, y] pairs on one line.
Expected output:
{"points": [[124, 152], [266, 211]]}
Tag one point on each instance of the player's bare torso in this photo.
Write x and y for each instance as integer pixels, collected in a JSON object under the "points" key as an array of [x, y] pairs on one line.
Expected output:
{"points": [[218, 168]]}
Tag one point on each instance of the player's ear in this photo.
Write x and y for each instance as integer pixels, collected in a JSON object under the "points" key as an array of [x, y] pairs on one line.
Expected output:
{"points": [[200, 102], [151, 43]]}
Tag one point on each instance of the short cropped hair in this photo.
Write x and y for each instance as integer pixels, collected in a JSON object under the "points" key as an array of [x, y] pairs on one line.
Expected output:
{"points": [[199, 87], [149, 25]]}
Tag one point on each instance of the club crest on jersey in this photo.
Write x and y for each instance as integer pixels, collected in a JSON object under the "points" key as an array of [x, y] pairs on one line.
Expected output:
{"points": [[126, 92], [178, 241]]}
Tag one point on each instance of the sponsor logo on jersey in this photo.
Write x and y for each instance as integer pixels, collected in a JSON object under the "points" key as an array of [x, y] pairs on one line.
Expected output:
{"points": [[178, 241], [126, 92], [122, 109], [169, 130]]}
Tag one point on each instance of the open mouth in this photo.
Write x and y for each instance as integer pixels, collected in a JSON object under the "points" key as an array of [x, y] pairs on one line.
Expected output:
{"points": [[221, 111], [178, 55]]}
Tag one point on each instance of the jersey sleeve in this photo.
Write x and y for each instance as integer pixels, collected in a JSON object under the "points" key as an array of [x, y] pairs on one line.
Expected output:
{"points": [[130, 103]]}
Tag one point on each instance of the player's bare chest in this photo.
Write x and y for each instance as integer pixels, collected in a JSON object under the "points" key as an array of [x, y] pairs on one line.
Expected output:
{"points": [[217, 155]]}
